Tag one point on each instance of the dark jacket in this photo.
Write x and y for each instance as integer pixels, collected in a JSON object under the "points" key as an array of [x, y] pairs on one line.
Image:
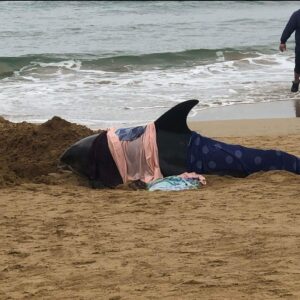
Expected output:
{"points": [[292, 25]]}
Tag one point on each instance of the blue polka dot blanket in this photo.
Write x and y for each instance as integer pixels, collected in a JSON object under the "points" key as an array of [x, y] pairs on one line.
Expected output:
{"points": [[208, 156]]}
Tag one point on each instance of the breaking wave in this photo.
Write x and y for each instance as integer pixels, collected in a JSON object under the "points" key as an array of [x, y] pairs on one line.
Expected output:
{"points": [[125, 63]]}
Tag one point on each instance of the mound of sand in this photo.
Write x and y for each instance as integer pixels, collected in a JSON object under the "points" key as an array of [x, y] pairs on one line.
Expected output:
{"points": [[29, 151]]}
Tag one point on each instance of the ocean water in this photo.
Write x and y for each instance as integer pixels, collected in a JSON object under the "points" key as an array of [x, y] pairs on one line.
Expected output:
{"points": [[112, 63]]}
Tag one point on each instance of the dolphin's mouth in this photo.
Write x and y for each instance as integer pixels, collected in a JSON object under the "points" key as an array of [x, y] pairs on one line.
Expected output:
{"points": [[64, 167]]}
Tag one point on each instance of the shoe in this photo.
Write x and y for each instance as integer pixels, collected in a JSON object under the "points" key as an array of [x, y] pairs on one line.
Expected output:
{"points": [[295, 87]]}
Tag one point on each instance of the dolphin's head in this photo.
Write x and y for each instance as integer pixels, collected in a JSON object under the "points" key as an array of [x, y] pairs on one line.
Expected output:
{"points": [[76, 158]]}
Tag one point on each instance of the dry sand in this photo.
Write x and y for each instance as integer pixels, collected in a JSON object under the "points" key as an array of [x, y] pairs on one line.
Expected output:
{"points": [[233, 239]]}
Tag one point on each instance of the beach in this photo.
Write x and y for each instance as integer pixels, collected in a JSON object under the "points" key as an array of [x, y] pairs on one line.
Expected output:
{"points": [[69, 69], [232, 239]]}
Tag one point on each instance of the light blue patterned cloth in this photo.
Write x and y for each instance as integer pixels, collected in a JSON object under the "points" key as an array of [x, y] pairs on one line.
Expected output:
{"points": [[173, 183]]}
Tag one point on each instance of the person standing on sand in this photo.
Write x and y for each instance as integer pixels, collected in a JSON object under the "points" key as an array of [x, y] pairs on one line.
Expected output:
{"points": [[293, 25]]}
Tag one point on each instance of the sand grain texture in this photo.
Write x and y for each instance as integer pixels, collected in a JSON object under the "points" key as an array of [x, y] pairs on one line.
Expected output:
{"points": [[233, 239]]}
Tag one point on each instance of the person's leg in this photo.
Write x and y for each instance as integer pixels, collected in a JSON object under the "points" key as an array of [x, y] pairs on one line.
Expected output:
{"points": [[295, 86]]}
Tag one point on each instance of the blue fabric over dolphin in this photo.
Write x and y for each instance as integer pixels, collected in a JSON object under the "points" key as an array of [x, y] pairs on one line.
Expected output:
{"points": [[209, 156], [130, 134]]}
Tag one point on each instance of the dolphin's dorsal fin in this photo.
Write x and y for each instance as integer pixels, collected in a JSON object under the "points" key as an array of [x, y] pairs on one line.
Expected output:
{"points": [[174, 120]]}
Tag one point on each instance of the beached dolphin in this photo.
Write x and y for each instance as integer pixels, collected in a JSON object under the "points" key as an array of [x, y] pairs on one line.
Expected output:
{"points": [[179, 150]]}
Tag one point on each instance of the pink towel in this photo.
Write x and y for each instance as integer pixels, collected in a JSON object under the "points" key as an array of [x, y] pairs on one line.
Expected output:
{"points": [[137, 159]]}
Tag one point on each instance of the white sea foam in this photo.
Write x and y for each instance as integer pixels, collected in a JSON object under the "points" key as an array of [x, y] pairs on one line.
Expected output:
{"points": [[98, 97]]}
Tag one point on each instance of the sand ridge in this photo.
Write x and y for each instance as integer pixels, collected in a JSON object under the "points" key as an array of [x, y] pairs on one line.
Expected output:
{"points": [[28, 151]]}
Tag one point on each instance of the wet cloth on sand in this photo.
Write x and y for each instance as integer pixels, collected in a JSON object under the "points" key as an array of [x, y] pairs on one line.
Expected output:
{"points": [[174, 183]]}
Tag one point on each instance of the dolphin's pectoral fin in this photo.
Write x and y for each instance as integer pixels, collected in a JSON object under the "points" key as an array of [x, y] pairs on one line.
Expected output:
{"points": [[97, 184], [174, 120]]}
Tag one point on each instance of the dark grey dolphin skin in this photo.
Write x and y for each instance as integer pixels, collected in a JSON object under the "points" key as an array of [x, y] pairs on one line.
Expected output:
{"points": [[77, 156], [172, 135], [180, 150]]}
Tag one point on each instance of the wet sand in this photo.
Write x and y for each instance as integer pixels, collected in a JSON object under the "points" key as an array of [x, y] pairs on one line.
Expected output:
{"points": [[233, 239], [261, 110]]}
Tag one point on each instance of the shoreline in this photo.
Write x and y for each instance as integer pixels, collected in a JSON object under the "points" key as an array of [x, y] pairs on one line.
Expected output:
{"points": [[261, 110], [243, 111]]}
